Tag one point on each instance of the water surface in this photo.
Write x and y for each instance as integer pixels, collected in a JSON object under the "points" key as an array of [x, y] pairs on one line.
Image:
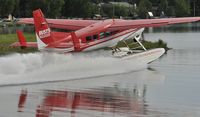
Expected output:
{"points": [[169, 87]]}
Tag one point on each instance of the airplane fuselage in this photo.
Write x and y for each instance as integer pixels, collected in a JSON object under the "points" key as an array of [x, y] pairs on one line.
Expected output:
{"points": [[89, 43]]}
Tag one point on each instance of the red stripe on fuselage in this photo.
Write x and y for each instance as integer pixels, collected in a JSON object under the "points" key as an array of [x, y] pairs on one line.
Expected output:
{"points": [[105, 40], [84, 46]]}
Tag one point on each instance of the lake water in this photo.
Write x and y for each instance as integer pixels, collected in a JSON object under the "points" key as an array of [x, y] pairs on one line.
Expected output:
{"points": [[36, 85]]}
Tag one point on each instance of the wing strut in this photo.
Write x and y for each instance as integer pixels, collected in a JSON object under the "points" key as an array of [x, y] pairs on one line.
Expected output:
{"points": [[137, 38], [75, 41]]}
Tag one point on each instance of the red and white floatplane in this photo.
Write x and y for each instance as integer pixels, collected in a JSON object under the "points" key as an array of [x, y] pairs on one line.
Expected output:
{"points": [[87, 35]]}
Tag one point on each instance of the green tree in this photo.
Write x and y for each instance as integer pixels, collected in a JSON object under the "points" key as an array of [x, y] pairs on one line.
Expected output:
{"points": [[79, 8], [155, 1], [182, 8], [108, 10], [163, 6], [171, 11], [6, 7], [171, 2], [144, 7], [32, 5], [16, 10], [134, 1], [96, 1], [23, 8], [54, 8], [51, 8], [121, 10]]}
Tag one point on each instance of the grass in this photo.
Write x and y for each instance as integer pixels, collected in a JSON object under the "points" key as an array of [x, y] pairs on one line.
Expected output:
{"points": [[7, 39]]}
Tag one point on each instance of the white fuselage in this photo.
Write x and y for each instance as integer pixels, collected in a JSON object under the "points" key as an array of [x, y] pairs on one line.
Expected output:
{"points": [[101, 43], [114, 39]]}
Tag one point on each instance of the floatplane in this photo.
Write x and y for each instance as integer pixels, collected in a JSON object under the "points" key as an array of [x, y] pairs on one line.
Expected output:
{"points": [[90, 35]]}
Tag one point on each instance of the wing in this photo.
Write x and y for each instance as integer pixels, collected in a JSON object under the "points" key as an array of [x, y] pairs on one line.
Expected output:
{"points": [[118, 24], [128, 24], [62, 23]]}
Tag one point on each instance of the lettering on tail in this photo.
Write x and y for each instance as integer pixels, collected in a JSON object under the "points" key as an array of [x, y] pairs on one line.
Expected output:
{"points": [[45, 33]]}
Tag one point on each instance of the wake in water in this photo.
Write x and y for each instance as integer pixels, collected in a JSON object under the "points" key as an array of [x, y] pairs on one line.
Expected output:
{"points": [[44, 67]]}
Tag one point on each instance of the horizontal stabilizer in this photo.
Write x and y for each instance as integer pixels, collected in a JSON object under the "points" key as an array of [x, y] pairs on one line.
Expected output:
{"points": [[22, 41], [28, 44]]}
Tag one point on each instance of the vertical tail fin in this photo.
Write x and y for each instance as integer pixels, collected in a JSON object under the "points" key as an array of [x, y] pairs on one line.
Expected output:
{"points": [[43, 32]]}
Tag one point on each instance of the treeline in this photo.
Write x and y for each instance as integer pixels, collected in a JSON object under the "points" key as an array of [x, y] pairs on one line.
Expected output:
{"points": [[170, 8], [87, 8], [24, 8]]}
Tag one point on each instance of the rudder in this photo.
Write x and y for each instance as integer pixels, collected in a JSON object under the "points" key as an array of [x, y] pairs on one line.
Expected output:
{"points": [[43, 32]]}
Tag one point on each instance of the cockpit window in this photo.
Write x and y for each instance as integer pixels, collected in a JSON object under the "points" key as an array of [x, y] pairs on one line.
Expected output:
{"points": [[89, 38]]}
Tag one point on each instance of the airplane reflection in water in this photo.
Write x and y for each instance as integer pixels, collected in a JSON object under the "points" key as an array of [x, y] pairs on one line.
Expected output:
{"points": [[109, 100]]}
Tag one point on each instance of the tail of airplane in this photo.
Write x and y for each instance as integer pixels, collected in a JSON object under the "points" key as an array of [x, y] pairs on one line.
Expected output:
{"points": [[42, 30], [45, 37]]}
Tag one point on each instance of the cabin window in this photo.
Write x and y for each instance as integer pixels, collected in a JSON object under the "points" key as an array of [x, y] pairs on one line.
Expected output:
{"points": [[108, 34], [89, 38], [102, 34], [95, 37]]}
